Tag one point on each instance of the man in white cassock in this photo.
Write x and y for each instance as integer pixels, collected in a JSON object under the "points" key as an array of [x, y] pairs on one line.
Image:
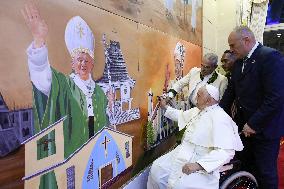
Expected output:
{"points": [[198, 77], [210, 141]]}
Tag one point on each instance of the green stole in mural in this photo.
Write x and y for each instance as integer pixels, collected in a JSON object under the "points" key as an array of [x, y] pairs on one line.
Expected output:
{"points": [[66, 98]]}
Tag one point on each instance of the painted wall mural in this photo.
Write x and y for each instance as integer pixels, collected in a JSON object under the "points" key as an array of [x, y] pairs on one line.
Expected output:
{"points": [[80, 79], [179, 18], [116, 81], [158, 126]]}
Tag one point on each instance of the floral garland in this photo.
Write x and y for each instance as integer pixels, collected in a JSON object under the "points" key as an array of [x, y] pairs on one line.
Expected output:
{"points": [[212, 78], [150, 137]]}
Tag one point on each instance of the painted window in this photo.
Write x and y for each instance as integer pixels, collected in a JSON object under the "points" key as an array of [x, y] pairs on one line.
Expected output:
{"points": [[70, 172], [12, 117], [127, 149], [26, 132], [46, 146], [25, 116]]}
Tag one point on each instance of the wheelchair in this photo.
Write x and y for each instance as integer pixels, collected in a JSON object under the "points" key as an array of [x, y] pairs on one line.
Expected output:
{"points": [[232, 177]]}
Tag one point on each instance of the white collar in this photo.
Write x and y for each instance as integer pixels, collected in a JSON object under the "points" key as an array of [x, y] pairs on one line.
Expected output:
{"points": [[208, 76], [89, 80], [72, 75], [252, 50], [87, 86], [210, 107]]}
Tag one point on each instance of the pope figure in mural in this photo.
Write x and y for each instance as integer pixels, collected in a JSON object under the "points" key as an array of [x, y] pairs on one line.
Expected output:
{"points": [[179, 56], [56, 95]]}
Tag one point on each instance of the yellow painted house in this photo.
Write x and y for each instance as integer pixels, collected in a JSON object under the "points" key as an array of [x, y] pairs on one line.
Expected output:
{"points": [[96, 164]]}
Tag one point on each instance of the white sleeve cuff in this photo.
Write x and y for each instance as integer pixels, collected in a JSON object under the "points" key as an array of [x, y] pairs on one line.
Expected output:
{"points": [[37, 57], [170, 94]]}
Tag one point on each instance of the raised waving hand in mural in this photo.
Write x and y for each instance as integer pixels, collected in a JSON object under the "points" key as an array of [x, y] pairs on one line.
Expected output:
{"points": [[35, 23]]}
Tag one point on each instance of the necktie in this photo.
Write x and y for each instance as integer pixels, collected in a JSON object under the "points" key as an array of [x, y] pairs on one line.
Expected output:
{"points": [[244, 64]]}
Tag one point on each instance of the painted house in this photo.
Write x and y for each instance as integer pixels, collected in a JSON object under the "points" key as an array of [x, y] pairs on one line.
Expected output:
{"points": [[15, 126], [98, 163]]}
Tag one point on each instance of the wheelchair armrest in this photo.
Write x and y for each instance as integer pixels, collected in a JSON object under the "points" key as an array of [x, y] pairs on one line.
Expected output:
{"points": [[234, 162]]}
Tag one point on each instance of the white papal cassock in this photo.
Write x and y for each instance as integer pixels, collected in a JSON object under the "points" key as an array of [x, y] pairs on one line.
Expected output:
{"points": [[211, 139]]}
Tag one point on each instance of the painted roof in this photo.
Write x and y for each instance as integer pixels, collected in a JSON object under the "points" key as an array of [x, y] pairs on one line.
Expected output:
{"points": [[117, 66]]}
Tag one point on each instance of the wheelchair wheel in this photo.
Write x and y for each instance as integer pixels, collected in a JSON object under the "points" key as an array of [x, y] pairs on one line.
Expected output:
{"points": [[240, 180]]}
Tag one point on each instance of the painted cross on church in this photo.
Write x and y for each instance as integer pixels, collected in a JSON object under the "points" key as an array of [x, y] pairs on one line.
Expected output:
{"points": [[105, 143]]}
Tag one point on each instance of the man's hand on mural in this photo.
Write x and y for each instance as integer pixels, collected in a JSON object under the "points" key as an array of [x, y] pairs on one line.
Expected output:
{"points": [[36, 24], [163, 101]]}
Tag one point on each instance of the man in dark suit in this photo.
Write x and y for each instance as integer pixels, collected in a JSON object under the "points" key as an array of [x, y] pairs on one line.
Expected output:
{"points": [[258, 90], [228, 59]]}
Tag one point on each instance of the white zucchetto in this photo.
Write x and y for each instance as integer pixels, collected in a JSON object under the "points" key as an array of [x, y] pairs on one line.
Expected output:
{"points": [[212, 91]]}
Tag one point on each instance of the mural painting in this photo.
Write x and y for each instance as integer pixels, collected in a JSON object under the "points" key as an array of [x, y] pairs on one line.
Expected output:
{"points": [[179, 18], [76, 93]]}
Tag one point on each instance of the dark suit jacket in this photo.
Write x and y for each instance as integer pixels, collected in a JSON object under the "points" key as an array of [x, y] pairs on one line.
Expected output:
{"points": [[258, 92]]}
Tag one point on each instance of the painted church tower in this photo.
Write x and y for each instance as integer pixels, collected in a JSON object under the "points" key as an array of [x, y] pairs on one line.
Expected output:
{"points": [[116, 80]]}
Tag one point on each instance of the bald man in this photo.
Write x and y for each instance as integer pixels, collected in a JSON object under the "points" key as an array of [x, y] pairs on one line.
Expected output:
{"points": [[210, 140], [257, 88]]}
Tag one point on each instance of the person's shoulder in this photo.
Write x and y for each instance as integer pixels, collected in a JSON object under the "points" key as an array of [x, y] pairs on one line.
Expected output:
{"points": [[220, 114], [190, 112], [221, 75], [195, 109], [265, 49], [269, 58], [58, 75], [195, 70], [265, 52]]}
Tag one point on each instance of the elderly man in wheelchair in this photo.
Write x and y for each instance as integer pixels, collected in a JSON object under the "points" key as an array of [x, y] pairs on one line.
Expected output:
{"points": [[209, 142]]}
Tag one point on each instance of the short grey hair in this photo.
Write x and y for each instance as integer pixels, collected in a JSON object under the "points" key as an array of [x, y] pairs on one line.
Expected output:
{"points": [[211, 57], [244, 31]]}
